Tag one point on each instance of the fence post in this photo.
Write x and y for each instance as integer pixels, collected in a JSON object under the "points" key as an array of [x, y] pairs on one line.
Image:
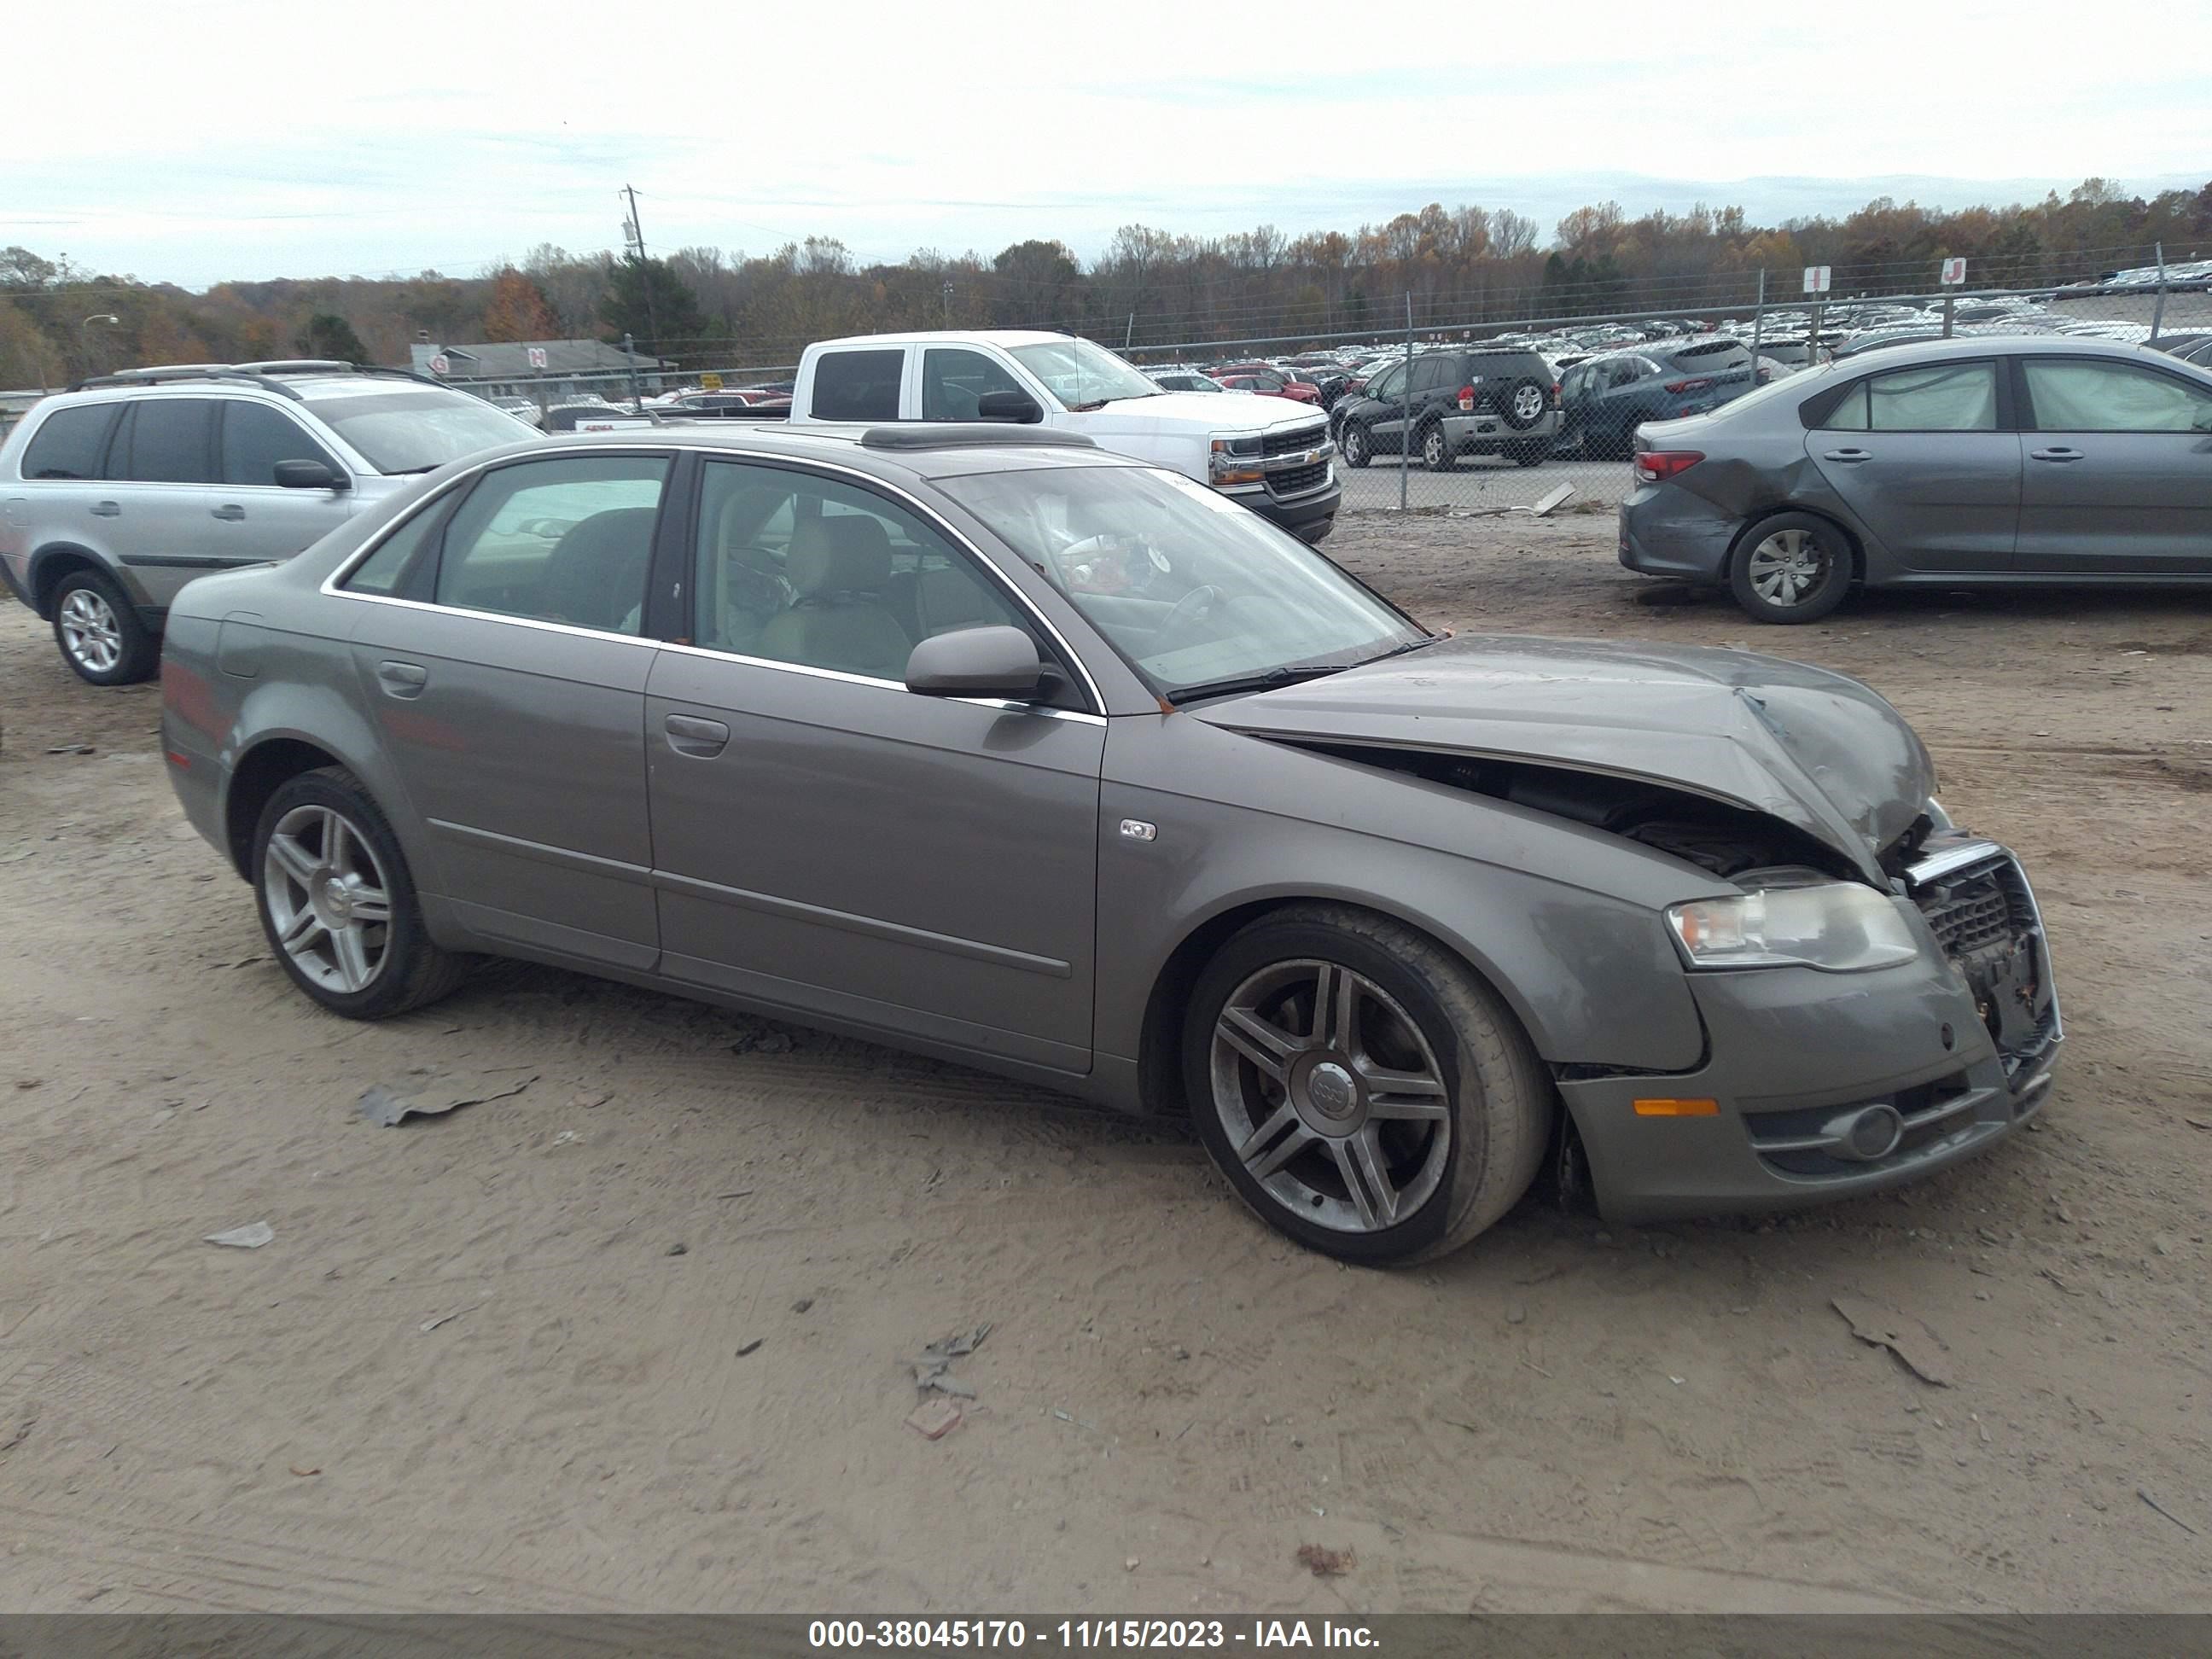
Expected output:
{"points": [[1757, 325], [2158, 307], [1406, 406]]}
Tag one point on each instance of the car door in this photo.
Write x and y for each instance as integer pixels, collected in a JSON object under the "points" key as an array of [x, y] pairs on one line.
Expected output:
{"points": [[825, 840], [1385, 393], [259, 517], [61, 481], [2119, 469], [1433, 380], [160, 489], [504, 669], [1925, 458]]}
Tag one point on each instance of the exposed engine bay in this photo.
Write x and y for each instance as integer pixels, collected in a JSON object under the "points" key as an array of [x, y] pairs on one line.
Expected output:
{"points": [[1727, 840]]}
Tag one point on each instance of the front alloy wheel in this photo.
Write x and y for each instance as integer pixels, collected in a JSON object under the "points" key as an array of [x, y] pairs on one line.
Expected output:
{"points": [[1437, 453], [1360, 1088], [1358, 449], [1331, 1094]]}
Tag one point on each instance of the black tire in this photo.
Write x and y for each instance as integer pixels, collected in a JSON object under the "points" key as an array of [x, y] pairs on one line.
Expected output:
{"points": [[411, 970], [1460, 1170], [100, 633], [1517, 409], [1436, 452], [1356, 445], [1790, 567]]}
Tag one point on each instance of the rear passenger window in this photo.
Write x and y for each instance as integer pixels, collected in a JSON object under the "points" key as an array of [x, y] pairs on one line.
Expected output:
{"points": [[385, 570], [565, 541], [1941, 398], [857, 385], [67, 442], [167, 440], [255, 437]]}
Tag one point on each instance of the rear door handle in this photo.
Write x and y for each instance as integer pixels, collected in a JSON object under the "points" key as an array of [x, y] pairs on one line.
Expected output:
{"points": [[106, 510], [689, 735], [402, 680], [2059, 454], [1850, 457], [230, 510]]}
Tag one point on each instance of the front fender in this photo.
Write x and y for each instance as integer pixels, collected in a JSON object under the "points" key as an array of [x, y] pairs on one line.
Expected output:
{"points": [[1590, 974]]}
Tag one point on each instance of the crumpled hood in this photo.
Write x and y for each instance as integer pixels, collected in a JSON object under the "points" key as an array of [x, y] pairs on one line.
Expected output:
{"points": [[1819, 750]]}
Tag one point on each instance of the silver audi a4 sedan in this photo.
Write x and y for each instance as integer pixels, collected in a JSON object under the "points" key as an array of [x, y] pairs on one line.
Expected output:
{"points": [[2035, 460], [982, 742]]}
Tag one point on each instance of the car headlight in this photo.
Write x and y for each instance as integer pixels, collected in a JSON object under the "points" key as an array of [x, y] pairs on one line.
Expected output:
{"points": [[1836, 926], [1235, 461], [1938, 818]]}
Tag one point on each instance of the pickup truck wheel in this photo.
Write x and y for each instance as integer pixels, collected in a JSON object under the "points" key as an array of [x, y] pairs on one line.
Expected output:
{"points": [[1363, 1091], [100, 633], [1437, 453], [338, 904], [1790, 567], [1358, 447]]}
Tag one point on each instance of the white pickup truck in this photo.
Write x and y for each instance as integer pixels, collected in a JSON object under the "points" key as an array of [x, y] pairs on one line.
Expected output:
{"points": [[1272, 455]]}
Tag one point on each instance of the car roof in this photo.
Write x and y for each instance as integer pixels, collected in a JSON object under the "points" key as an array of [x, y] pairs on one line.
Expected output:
{"points": [[904, 452], [997, 337]]}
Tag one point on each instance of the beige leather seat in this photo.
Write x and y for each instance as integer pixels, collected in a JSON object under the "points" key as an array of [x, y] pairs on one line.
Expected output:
{"points": [[745, 588], [839, 566]]}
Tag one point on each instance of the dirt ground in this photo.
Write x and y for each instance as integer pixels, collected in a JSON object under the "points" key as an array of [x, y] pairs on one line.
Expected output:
{"points": [[635, 1337]]}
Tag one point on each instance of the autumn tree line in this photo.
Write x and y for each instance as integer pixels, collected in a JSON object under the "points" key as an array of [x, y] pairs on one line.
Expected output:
{"points": [[1460, 268]]}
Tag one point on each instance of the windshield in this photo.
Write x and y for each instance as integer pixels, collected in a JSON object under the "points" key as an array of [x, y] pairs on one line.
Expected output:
{"points": [[1190, 587], [1078, 373], [415, 431]]}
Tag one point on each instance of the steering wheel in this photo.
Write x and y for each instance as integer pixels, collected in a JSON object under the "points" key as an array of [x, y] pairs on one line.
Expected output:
{"points": [[1187, 610]]}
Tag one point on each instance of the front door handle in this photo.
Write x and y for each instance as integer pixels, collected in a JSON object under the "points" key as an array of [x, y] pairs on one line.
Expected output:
{"points": [[106, 510], [402, 680], [2058, 454], [689, 735], [1848, 457], [230, 510]]}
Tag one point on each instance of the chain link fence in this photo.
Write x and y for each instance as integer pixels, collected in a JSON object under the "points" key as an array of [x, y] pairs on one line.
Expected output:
{"points": [[1492, 399]]}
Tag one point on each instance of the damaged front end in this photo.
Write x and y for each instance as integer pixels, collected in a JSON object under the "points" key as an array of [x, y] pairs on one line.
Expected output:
{"points": [[1977, 901]]}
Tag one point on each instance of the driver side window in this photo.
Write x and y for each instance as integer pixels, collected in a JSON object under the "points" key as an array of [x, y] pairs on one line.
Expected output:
{"points": [[954, 380]]}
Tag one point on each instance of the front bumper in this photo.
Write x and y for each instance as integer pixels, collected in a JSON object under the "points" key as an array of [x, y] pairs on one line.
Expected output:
{"points": [[1309, 513], [1665, 531], [1797, 1058]]}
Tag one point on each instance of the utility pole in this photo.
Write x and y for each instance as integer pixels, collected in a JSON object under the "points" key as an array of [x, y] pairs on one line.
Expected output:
{"points": [[635, 234]]}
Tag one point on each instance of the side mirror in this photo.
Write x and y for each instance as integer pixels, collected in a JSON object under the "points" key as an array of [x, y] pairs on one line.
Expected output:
{"points": [[976, 662], [1017, 406], [310, 475]]}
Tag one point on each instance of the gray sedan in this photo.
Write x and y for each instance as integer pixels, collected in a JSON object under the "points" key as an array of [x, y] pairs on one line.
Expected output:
{"points": [[2016, 459], [982, 742]]}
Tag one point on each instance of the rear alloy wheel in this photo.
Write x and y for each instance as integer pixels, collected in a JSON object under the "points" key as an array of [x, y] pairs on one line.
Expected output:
{"points": [[1361, 1089], [99, 631], [1356, 447], [337, 904], [1790, 567], [1437, 453]]}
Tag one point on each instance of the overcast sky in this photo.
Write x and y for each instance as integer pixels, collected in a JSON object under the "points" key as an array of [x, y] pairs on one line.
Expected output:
{"points": [[236, 139]]}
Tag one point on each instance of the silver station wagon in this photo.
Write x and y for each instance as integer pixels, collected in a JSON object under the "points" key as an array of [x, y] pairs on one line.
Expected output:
{"points": [[980, 741]]}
